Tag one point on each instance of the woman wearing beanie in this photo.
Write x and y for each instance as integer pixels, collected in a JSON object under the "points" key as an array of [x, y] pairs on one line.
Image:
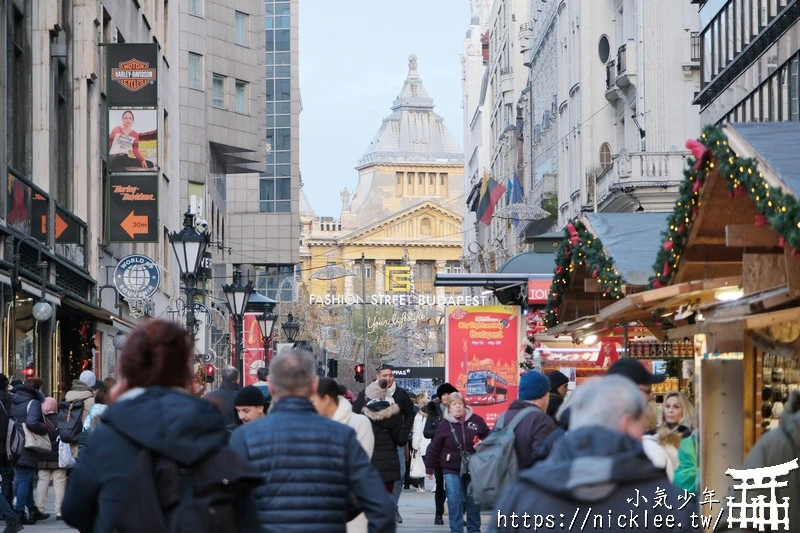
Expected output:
{"points": [[455, 438], [330, 402], [558, 391], [387, 427], [48, 462]]}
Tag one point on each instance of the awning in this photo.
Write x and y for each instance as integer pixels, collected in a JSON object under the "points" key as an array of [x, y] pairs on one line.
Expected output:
{"points": [[35, 290], [100, 313]]}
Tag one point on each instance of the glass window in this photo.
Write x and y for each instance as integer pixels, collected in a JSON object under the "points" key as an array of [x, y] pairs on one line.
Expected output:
{"points": [[283, 139], [241, 97], [276, 282], [731, 30], [196, 7], [283, 90], [195, 68], [794, 110], [218, 99], [275, 195], [242, 28], [708, 62], [282, 41], [270, 90], [747, 28]]}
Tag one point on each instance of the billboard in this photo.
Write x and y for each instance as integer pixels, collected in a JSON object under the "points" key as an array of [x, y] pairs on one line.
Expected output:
{"points": [[253, 349], [482, 354], [132, 144]]}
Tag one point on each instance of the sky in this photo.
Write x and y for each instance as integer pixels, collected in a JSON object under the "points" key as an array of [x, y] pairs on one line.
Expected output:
{"points": [[353, 61]]}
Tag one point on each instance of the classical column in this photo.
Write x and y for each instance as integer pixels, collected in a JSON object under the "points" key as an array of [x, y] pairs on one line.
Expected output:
{"points": [[348, 280]]}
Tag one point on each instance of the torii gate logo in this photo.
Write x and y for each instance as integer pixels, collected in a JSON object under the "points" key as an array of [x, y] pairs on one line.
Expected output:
{"points": [[758, 512], [133, 74]]}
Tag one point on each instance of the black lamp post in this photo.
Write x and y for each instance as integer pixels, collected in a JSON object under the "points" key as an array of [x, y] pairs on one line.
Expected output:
{"points": [[237, 295], [290, 328], [266, 321], [189, 245]]}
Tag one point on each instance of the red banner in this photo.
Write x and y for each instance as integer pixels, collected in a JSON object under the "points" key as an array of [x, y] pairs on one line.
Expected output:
{"points": [[253, 349], [482, 354]]}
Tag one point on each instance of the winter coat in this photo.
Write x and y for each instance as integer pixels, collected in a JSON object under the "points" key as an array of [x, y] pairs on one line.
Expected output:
{"points": [[403, 400], [361, 425], [49, 460], [387, 427], [592, 467], [443, 451], [81, 393], [224, 398], [775, 447], [310, 463], [435, 412], [418, 440], [530, 433], [95, 414], [663, 454], [553, 404], [170, 423], [32, 417], [686, 472]]}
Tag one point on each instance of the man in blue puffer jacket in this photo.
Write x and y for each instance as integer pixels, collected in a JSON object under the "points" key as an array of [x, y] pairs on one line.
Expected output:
{"points": [[310, 463]]}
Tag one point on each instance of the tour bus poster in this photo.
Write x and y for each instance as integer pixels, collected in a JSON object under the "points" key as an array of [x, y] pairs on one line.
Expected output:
{"points": [[482, 346]]}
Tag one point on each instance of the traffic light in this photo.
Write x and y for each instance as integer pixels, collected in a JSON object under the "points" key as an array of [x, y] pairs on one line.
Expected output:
{"points": [[333, 368], [359, 369], [28, 372], [210, 373]]}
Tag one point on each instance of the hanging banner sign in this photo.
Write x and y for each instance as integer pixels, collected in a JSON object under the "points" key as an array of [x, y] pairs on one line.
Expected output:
{"points": [[133, 208], [136, 277], [132, 74], [538, 291], [482, 344]]}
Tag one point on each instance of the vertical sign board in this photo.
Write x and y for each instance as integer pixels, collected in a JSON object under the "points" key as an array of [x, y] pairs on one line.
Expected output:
{"points": [[132, 143], [482, 348], [253, 349]]}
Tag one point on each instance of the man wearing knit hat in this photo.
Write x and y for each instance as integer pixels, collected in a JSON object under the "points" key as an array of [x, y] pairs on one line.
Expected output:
{"points": [[534, 392], [250, 404], [558, 391]]}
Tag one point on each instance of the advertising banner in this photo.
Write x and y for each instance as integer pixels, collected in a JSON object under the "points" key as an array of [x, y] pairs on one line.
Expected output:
{"points": [[132, 74], [482, 348], [133, 208], [253, 349]]}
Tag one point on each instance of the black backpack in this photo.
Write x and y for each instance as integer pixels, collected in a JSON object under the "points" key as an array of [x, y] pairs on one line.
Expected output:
{"points": [[70, 420], [166, 497]]}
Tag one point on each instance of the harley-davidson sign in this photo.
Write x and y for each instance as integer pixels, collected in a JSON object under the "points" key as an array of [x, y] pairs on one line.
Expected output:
{"points": [[132, 75]]}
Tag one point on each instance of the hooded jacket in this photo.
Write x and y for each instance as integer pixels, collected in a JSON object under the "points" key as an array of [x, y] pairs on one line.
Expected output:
{"points": [[777, 446], [169, 423], [32, 417], [403, 400], [530, 433], [361, 425], [80, 392], [591, 475], [387, 427], [443, 451], [310, 463], [435, 412]]}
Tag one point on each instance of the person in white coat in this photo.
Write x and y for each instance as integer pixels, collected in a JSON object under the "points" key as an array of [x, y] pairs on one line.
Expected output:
{"points": [[662, 441], [419, 443], [331, 403]]}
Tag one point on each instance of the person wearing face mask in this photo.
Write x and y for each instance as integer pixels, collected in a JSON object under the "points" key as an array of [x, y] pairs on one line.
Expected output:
{"points": [[456, 437], [661, 442], [598, 467]]}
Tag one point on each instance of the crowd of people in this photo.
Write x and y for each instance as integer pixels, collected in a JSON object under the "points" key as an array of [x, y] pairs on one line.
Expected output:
{"points": [[296, 452]]}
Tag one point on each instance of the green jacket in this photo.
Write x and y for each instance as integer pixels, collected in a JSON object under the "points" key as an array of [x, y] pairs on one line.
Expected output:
{"points": [[686, 472]]}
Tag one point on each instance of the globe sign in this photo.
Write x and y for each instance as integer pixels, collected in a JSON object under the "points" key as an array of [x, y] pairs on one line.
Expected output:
{"points": [[136, 277]]}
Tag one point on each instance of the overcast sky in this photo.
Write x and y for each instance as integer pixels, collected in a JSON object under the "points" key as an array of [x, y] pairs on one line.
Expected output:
{"points": [[353, 61]]}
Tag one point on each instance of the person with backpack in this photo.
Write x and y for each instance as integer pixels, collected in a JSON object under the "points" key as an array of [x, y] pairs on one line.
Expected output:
{"points": [[157, 445], [26, 408], [450, 449], [435, 411], [48, 468], [514, 444]]}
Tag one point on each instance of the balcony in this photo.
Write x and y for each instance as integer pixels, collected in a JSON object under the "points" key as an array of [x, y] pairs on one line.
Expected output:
{"points": [[612, 91], [661, 171], [506, 79], [695, 47], [526, 37], [626, 66]]}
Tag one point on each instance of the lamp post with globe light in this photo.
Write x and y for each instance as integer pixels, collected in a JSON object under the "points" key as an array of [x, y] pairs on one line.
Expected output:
{"points": [[237, 295], [189, 245]]}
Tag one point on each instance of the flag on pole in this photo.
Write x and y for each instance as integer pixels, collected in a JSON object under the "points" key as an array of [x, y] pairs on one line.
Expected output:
{"points": [[491, 191], [514, 194]]}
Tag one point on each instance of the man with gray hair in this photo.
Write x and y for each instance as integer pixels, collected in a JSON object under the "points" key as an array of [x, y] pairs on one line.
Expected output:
{"points": [[598, 477], [316, 471], [225, 396]]}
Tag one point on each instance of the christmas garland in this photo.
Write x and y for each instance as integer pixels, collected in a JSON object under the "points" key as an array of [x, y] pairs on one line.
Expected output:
{"points": [[778, 210], [580, 248]]}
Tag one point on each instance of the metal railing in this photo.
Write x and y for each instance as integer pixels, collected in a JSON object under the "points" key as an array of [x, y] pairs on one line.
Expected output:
{"points": [[621, 61], [695, 46], [526, 26], [610, 74], [505, 71]]}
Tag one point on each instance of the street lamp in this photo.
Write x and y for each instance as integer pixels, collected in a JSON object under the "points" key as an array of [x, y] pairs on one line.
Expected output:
{"points": [[266, 321], [189, 246], [237, 295], [290, 328]]}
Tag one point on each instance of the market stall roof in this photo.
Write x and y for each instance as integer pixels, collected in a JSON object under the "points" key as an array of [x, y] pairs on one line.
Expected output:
{"points": [[775, 146], [602, 257]]}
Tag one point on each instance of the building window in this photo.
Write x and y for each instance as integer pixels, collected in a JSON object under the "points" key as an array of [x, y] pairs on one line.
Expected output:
{"points": [[399, 177], [443, 179], [276, 282], [605, 156], [603, 49], [275, 195], [431, 179], [420, 177], [219, 91], [425, 226], [452, 267], [20, 95], [241, 97], [196, 7], [195, 69], [242, 28], [410, 177]]}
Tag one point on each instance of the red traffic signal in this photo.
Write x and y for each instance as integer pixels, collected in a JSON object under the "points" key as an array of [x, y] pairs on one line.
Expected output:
{"points": [[28, 372], [359, 370], [210, 373]]}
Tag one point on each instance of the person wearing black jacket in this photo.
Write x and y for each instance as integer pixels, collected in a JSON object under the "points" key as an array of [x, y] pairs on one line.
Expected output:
{"points": [[558, 391], [399, 396], [26, 408], [387, 427], [435, 410], [6, 469], [225, 396]]}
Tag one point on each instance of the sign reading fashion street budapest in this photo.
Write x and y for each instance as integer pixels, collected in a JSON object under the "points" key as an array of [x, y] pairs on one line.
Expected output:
{"points": [[396, 299]]}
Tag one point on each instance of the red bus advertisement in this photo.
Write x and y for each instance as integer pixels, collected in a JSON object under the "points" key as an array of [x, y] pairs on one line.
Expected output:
{"points": [[485, 388]]}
